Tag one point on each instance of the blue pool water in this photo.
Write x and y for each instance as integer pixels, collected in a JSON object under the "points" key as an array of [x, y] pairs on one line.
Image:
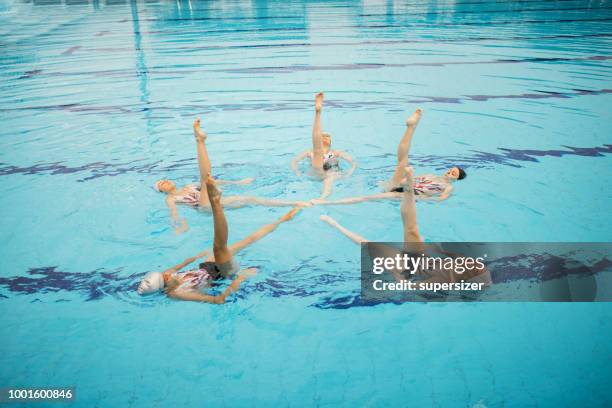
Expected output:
{"points": [[96, 103]]}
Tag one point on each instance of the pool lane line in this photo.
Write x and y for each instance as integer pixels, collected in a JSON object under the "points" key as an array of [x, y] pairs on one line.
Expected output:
{"points": [[361, 43], [471, 159], [297, 68], [357, 66]]}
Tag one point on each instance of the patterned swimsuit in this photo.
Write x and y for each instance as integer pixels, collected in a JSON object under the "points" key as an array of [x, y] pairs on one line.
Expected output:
{"points": [[196, 279], [426, 186], [191, 196], [330, 161], [423, 185]]}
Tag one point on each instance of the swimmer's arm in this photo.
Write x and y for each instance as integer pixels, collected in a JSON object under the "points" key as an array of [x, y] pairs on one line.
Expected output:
{"points": [[446, 193], [216, 299], [187, 261], [180, 225], [348, 158], [297, 159]]}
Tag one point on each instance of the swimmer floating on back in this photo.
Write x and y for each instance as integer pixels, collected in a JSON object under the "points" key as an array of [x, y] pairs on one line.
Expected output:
{"points": [[413, 242], [191, 193], [325, 161], [189, 285], [428, 186]]}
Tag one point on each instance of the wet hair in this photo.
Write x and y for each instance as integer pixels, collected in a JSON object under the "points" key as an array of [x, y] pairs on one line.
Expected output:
{"points": [[462, 173]]}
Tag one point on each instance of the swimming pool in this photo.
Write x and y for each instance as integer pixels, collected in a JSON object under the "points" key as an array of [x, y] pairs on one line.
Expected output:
{"points": [[97, 99]]}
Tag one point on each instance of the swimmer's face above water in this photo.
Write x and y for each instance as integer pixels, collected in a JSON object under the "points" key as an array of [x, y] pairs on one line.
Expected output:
{"points": [[326, 140], [455, 173], [165, 186]]}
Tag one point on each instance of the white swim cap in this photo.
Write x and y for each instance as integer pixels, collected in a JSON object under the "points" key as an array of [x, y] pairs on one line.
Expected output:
{"points": [[151, 283], [157, 184]]}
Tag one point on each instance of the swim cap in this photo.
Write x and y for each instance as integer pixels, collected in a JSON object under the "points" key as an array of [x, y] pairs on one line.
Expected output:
{"points": [[151, 283], [157, 184]]}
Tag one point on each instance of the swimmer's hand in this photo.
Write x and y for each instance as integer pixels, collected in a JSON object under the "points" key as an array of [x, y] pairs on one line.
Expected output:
{"points": [[329, 220], [319, 101], [198, 132]]}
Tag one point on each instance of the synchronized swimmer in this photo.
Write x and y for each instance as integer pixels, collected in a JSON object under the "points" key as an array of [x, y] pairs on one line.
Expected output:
{"points": [[325, 163], [191, 194]]}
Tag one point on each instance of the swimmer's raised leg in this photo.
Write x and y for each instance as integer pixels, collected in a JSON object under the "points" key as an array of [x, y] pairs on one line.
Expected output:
{"points": [[403, 149], [203, 161], [220, 249], [317, 136], [356, 238], [263, 231], [408, 209]]}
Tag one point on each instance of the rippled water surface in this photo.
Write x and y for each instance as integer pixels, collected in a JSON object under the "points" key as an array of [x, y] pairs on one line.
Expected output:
{"points": [[96, 104]]}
